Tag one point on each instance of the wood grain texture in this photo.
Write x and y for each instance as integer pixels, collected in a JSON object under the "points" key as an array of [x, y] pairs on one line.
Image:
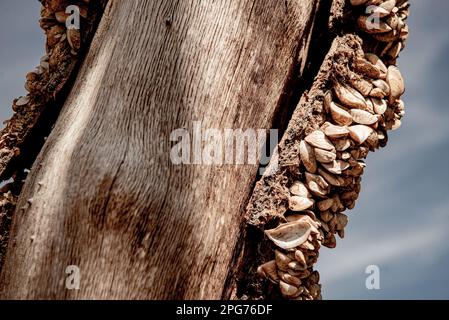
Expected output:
{"points": [[103, 193]]}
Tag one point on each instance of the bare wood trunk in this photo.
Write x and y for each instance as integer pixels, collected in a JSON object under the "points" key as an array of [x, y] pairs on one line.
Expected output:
{"points": [[103, 194]]}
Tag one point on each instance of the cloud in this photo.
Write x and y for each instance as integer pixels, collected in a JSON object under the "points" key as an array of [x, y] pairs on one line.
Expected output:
{"points": [[22, 45], [402, 211], [367, 251]]}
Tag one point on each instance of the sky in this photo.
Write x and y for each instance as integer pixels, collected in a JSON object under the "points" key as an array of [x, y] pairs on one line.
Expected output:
{"points": [[401, 219], [21, 46]]}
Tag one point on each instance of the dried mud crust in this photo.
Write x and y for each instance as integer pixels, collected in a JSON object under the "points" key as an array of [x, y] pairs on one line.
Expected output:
{"points": [[24, 133], [270, 197], [8, 199]]}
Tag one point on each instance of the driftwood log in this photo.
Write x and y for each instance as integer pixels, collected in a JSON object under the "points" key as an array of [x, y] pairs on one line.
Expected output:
{"points": [[105, 198], [103, 194]]}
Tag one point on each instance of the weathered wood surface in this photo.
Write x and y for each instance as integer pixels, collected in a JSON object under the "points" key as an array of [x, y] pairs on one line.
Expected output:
{"points": [[103, 194]]}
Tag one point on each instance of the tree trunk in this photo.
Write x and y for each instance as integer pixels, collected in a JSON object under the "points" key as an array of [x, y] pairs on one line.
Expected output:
{"points": [[116, 207], [104, 195]]}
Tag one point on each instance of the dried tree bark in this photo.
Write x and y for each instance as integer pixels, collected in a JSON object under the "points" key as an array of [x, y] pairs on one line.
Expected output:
{"points": [[103, 194]]}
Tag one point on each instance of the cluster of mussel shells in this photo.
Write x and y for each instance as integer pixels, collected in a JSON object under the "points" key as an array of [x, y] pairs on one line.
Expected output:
{"points": [[53, 22], [359, 110], [298, 241], [391, 31]]}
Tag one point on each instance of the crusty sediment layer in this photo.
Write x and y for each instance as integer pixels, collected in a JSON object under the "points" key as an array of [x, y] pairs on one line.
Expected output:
{"points": [[316, 174], [35, 113]]}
